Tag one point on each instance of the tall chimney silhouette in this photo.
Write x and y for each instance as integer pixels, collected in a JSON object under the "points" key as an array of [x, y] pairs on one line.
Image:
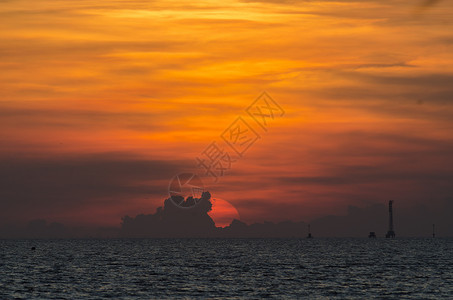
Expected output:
{"points": [[390, 233]]}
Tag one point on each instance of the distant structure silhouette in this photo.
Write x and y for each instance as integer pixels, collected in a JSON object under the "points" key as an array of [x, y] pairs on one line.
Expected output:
{"points": [[372, 235], [434, 233], [390, 232], [309, 236]]}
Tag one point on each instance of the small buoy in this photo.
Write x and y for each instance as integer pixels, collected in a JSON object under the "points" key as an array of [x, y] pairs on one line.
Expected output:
{"points": [[33, 248]]}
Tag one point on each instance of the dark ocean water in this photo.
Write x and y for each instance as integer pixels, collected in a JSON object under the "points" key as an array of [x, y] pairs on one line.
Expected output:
{"points": [[227, 268]]}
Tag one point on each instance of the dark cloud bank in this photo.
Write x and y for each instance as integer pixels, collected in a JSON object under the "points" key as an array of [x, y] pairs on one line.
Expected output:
{"points": [[41, 187], [170, 221]]}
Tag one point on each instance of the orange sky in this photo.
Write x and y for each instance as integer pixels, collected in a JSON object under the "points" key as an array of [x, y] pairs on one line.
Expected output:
{"points": [[112, 98]]}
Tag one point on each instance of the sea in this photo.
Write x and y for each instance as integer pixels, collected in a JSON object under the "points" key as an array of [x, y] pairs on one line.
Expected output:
{"points": [[318, 268]]}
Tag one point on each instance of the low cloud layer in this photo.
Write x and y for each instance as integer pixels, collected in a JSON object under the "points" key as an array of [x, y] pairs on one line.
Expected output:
{"points": [[96, 188], [170, 221]]}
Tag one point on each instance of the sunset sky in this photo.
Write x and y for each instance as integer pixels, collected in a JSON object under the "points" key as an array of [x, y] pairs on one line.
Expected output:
{"points": [[103, 102]]}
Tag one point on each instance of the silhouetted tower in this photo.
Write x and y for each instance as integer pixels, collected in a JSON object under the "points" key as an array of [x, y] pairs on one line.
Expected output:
{"points": [[390, 233], [309, 236], [434, 233]]}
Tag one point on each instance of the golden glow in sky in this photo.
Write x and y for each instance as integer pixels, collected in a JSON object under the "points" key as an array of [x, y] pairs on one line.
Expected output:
{"points": [[366, 87]]}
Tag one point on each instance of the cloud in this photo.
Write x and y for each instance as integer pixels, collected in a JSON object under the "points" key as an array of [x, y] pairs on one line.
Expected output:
{"points": [[429, 3], [82, 119], [94, 187], [173, 221], [364, 84]]}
